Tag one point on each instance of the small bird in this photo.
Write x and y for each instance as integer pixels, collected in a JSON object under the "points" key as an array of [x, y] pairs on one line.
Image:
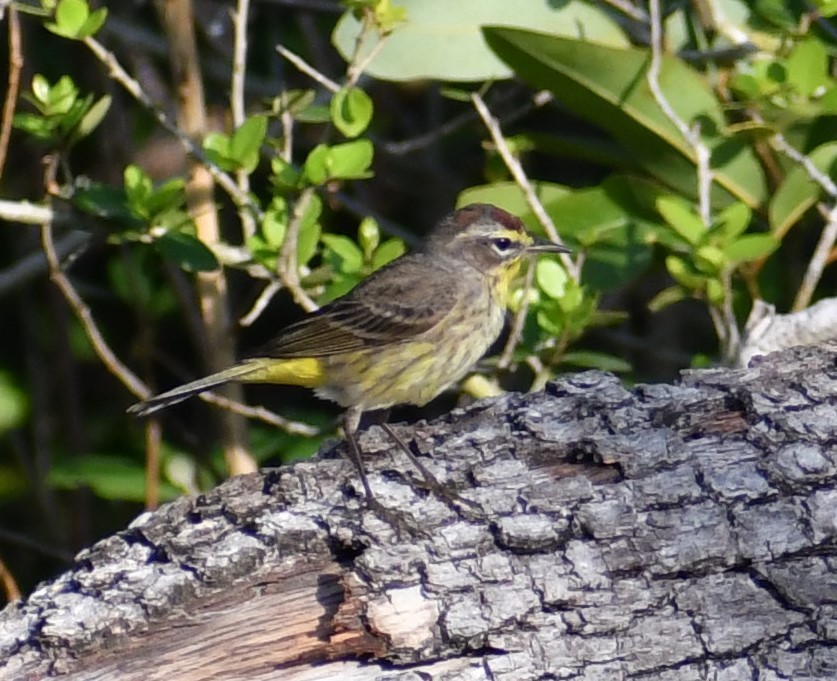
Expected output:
{"points": [[402, 336]]}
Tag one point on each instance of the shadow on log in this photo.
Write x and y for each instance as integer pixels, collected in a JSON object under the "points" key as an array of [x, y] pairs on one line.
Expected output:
{"points": [[665, 532]]}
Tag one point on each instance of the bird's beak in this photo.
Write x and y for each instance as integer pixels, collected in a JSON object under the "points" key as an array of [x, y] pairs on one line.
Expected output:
{"points": [[544, 246]]}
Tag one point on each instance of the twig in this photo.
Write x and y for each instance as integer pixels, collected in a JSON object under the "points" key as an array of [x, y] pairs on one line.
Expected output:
{"points": [[408, 146], [260, 414], [818, 261], [307, 69], [26, 212], [357, 65], [522, 180], [177, 17], [779, 142], [239, 71], [121, 76], [288, 269], [516, 331], [690, 134], [13, 88], [272, 288], [10, 586], [82, 312]]}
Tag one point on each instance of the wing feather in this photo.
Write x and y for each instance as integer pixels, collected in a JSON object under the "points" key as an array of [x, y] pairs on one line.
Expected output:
{"points": [[381, 310]]}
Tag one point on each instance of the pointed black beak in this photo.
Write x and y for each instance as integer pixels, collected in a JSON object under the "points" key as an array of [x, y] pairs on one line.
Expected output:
{"points": [[544, 246]]}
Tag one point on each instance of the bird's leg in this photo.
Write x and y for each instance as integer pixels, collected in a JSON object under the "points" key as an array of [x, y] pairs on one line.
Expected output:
{"points": [[429, 478], [351, 421]]}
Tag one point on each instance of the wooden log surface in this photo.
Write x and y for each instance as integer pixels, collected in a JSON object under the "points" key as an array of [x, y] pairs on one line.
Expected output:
{"points": [[661, 532]]}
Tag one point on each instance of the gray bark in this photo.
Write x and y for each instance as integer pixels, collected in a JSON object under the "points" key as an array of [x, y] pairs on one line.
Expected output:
{"points": [[666, 532]]}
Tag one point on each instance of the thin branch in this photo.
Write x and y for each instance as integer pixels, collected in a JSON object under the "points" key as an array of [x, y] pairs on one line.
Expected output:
{"points": [[409, 146], [690, 134], [13, 88], [307, 69], [85, 317], [132, 86], [522, 180], [26, 212], [272, 288], [260, 414], [818, 261], [779, 142], [237, 107], [10, 587], [516, 332], [177, 18], [288, 269]]}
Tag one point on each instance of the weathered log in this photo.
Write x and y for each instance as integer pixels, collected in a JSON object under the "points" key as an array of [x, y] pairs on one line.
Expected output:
{"points": [[666, 532]]}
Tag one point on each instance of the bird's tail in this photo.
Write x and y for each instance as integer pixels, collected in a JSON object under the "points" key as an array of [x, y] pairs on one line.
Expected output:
{"points": [[187, 390]]}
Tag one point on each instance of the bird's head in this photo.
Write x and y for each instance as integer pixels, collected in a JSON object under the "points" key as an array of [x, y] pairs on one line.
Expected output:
{"points": [[488, 239]]}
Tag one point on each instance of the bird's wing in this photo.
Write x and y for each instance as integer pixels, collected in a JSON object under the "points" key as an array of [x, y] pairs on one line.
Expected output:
{"points": [[389, 308]]}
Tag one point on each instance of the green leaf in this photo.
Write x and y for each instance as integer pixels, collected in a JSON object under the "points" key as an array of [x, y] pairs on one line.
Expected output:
{"points": [[731, 223], [750, 247], [70, 16], [187, 251], [348, 161], [666, 297], [349, 256], [351, 161], [387, 252], [109, 477], [138, 189], [309, 231], [91, 119], [441, 40], [552, 278], [40, 88], [682, 219], [216, 145], [807, 67], [107, 202], [368, 236], [683, 274], [607, 86], [798, 192], [351, 111], [283, 175], [275, 223], [246, 142], [14, 404]]}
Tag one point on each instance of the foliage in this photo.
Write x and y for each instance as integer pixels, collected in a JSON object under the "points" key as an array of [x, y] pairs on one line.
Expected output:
{"points": [[301, 175]]}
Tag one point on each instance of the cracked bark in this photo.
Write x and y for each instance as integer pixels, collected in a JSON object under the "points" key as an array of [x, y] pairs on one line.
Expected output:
{"points": [[666, 532]]}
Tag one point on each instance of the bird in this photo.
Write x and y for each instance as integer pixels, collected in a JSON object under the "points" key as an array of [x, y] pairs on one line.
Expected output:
{"points": [[405, 334]]}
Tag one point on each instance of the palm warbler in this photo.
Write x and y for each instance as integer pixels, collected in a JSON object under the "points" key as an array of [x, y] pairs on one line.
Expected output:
{"points": [[403, 335]]}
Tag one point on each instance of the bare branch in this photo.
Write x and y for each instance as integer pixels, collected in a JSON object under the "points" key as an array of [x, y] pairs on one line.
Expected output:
{"points": [[690, 134], [85, 317], [818, 261], [237, 105], [522, 180], [13, 87], [288, 269], [121, 76], [307, 69]]}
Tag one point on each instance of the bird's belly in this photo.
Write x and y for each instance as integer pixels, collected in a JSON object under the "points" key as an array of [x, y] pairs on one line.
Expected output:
{"points": [[411, 372]]}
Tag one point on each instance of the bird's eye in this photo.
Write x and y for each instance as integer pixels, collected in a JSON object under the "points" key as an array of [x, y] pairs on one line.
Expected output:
{"points": [[502, 245]]}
